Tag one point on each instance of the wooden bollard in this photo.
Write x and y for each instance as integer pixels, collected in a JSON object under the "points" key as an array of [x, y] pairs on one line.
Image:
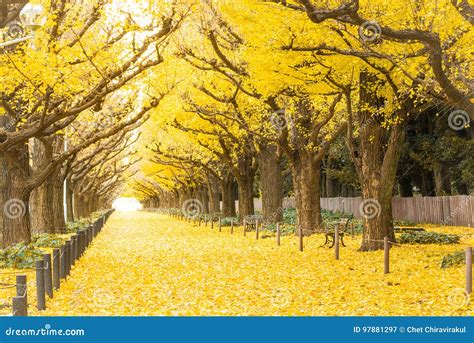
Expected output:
{"points": [[22, 287], [386, 255], [212, 223], [20, 301], [73, 250], [278, 233], [352, 230], [245, 231], [336, 242], [62, 262], [56, 279], [76, 247], [300, 233], [40, 291], [231, 226], [256, 229], [48, 276], [220, 225], [469, 270], [67, 259]]}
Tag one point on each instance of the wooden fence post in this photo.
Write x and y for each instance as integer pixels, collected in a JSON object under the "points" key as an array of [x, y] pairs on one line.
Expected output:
{"points": [[245, 231], [220, 225], [231, 226], [20, 301], [386, 255], [212, 223], [40, 291], [278, 233], [48, 277], [56, 280], [336, 242], [469, 270]]}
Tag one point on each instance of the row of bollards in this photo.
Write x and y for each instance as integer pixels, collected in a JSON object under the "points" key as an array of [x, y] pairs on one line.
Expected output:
{"points": [[386, 244], [50, 270]]}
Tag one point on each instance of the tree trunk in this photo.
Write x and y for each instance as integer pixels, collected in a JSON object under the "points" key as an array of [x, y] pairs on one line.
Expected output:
{"points": [[378, 168], [271, 181], [69, 203], [442, 180], [228, 203], [16, 216], [306, 176], [214, 194]]}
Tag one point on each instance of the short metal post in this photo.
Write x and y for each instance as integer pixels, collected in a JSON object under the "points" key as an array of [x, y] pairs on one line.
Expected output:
{"points": [[62, 262], [278, 233], [22, 287], [56, 279], [300, 233], [386, 255], [469, 270], [20, 301], [67, 259], [48, 276], [40, 291], [336, 242], [73, 250]]}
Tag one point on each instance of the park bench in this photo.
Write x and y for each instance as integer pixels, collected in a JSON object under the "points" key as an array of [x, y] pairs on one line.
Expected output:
{"points": [[342, 225], [250, 222]]}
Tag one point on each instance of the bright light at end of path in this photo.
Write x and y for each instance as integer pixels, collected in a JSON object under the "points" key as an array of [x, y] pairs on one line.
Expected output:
{"points": [[127, 204]]}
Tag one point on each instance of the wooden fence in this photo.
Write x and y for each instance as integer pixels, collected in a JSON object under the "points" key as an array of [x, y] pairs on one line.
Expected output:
{"points": [[446, 210]]}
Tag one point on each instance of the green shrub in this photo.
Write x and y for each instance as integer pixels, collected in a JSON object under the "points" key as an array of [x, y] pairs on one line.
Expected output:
{"points": [[428, 238], [46, 240], [455, 259], [19, 256]]}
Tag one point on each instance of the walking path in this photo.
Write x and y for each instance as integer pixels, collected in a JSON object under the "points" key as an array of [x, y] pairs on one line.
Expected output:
{"points": [[149, 264]]}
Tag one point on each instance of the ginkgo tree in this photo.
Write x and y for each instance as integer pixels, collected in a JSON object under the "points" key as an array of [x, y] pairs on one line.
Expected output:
{"points": [[82, 56]]}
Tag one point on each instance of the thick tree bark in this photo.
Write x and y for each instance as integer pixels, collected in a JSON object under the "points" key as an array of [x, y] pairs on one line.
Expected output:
{"points": [[228, 203], [271, 182], [48, 209], [214, 194], [306, 184], [378, 168], [16, 215], [69, 203]]}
